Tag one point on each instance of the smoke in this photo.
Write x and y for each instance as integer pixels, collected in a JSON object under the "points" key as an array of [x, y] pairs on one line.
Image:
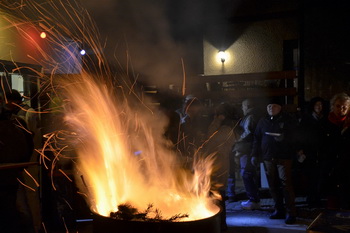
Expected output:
{"points": [[139, 37]]}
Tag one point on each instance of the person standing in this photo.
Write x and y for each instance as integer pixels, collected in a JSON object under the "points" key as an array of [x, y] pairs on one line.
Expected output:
{"points": [[14, 148], [274, 142], [242, 150], [26, 117], [313, 141], [221, 139], [192, 129], [337, 163]]}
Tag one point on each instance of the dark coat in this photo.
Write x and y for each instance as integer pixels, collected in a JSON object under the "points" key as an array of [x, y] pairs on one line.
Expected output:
{"points": [[275, 137], [313, 138], [245, 130], [338, 154], [16, 146]]}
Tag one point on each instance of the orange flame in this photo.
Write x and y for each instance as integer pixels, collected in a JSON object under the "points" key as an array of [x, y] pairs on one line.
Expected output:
{"points": [[111, 132], [122, 156]]}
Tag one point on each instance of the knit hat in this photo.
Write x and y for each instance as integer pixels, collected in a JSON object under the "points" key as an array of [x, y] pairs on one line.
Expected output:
{"points": [[276, 100]]}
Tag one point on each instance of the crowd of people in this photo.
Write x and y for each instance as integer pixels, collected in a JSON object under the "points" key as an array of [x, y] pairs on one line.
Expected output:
{"points": [[314, 143], [308, 148]]}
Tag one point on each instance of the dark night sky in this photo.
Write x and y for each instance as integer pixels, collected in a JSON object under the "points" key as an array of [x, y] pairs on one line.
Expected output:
{"points": [[157, 34]]}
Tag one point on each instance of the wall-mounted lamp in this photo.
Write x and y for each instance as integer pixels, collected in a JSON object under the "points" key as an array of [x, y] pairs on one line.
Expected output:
{"points": [[222, 56]]}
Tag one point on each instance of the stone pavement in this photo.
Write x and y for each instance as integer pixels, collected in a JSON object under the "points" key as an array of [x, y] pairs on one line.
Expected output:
{"points": [[257, 221]]}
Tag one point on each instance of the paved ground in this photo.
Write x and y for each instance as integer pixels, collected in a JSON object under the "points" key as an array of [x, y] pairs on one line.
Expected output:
{"points": [[244, 221], [257, 221]]}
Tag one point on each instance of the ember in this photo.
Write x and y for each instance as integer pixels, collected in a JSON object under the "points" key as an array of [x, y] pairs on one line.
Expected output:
{"points": [[107, 122]]}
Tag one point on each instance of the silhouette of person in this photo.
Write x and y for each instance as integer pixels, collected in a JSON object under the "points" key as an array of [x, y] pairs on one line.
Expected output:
{"points": [[243, 149], [14, 148]]}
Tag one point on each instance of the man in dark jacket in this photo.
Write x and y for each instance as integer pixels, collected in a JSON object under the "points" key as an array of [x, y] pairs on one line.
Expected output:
{"points": [[242, 151], [274, 139]]}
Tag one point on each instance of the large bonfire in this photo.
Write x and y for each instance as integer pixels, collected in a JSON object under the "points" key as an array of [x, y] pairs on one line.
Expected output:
{"points": [[122, 157]]}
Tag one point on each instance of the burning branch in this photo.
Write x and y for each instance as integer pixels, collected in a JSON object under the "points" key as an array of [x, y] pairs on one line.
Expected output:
{"points": [[130, 213]]}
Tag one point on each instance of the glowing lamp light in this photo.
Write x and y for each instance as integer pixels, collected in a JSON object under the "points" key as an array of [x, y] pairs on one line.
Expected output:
{"points": [[43, 35], [82, 52], [222, 56]]}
